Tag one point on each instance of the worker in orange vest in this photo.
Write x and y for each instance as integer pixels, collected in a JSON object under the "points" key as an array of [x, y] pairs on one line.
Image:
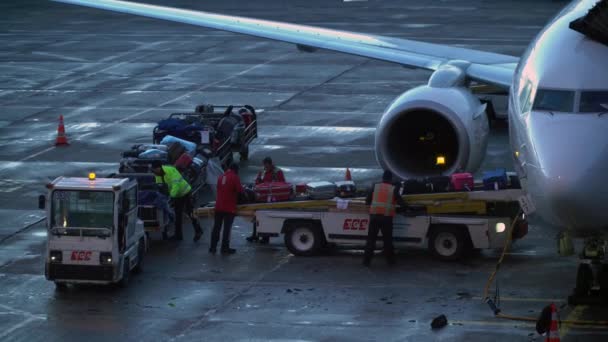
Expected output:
{"points": [[382, 200]]}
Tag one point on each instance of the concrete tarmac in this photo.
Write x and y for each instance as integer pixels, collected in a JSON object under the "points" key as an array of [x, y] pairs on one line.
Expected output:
{"points": [[114, 76]]}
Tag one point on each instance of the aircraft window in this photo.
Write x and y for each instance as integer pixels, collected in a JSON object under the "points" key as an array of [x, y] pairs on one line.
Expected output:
{"points": [[554, 100], [594, 101]]}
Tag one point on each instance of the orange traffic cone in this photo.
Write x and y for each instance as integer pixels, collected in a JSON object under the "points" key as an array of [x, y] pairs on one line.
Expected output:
{"points": [[347, 177], [553, 333], [61, 140]]}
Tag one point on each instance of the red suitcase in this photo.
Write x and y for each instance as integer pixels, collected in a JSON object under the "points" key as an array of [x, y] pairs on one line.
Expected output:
{"points": [[183, 162], [462, 182], [273, 192]]}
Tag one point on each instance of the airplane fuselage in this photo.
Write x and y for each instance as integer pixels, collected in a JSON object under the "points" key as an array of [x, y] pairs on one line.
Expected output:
{"points": [[559, 126]]}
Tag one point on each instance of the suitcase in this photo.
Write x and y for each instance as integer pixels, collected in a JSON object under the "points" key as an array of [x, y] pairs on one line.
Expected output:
{"points": [[414, 186], [462, 182], [300, 188], [175, 151], [321, 190], [346, 189], [183, 162], [273, 192], [513, 180], [495, 179], [438, 183]]}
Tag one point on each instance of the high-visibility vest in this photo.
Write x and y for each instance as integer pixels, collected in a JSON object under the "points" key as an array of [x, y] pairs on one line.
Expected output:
{"points": [[178, 187], [383, 200]]}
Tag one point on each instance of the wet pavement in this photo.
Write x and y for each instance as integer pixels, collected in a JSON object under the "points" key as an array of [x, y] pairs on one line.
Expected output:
{"points": [[113, 76]]}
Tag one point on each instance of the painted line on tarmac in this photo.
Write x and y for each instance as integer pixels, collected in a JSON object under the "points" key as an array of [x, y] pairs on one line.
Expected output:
{"points": [[212, 311], [22, 230], [29, 319], [206, 86], [574, 315], [518, 324], [525, 299]]}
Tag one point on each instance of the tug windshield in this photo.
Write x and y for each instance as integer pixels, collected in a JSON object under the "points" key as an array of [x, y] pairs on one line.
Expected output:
{"points": [[77, 212]]}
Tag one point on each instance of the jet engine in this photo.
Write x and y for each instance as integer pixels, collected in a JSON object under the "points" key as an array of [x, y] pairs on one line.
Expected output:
{"points": [[436, 129]]}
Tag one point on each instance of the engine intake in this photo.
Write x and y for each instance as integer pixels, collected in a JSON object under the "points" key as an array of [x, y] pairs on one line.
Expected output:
{"points": [[428, 131]]}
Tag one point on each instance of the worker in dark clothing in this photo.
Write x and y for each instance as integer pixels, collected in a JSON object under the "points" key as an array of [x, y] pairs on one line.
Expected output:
{"points": [[180, 193], [270, 173], [382, 199], [228, 189]]}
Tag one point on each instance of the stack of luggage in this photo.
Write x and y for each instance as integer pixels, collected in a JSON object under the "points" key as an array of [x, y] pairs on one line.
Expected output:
{"points": [[206, 128], [184, 155], [491, 180]]}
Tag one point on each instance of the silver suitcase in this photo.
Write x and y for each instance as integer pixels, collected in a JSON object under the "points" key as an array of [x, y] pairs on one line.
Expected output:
{"points": [[346, 189], [321, 190]]}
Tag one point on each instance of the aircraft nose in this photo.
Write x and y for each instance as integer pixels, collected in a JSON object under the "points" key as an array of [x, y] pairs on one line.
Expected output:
{"points": [[572, 158]]}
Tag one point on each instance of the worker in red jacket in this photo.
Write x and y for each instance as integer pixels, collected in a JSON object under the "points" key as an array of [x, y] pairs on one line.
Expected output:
{"points": [[270, 173], [228, 189]]}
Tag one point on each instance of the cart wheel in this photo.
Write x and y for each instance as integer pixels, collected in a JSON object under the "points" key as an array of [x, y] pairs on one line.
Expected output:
{"points": [[303, 239], [141, 251], [448, 243], [124, 281], [60, 287], [244, 153], [584, 280]]}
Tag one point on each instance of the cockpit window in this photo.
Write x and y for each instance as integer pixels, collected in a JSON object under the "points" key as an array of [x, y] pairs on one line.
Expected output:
{"points": [[594, 101], [554, 100]]}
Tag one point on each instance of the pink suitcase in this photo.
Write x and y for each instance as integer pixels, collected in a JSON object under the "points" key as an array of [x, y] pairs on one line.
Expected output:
{"points": [[462, 182], [273, 192]]}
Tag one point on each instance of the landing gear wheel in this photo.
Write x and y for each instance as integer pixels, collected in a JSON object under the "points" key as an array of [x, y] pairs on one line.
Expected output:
{"points": [[303, 239], [124, 281], [141, 251], [60, 286], [584, 280], [448, 243]]}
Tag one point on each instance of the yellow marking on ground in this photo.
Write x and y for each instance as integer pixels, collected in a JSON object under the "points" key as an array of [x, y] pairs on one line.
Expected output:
{"points": [[511, 323], [574, 315], [524, 299]]}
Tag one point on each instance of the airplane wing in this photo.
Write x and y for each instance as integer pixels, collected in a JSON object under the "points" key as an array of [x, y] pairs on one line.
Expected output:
{"points": [[486, 67]]}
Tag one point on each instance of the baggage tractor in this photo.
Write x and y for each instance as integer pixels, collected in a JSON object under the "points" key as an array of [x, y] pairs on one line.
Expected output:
{"points": [[462, 182], [273, 192], [346, 189], [321, 190], [495, 179], [438, 183], [175, 151], [414, 186]]}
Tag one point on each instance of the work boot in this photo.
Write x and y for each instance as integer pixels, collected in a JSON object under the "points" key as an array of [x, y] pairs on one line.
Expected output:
{"points": [[228, 251], [212, 250], [252, 238], [197, 235]]}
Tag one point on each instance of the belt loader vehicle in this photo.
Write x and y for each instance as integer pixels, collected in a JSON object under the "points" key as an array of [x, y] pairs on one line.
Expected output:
{"points": [[94, 234], [449, 224]]}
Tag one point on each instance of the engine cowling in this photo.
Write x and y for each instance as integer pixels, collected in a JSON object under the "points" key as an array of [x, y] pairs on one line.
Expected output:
{"points": [[429, 122]]}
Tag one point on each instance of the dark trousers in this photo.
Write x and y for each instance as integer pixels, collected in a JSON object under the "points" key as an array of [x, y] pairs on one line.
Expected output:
{"points": [[226, 219], [384, 224], [181, 205]]}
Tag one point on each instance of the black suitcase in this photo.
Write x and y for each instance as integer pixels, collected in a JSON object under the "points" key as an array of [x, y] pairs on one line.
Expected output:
{"points": [[414, 186], [438, 183]]}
